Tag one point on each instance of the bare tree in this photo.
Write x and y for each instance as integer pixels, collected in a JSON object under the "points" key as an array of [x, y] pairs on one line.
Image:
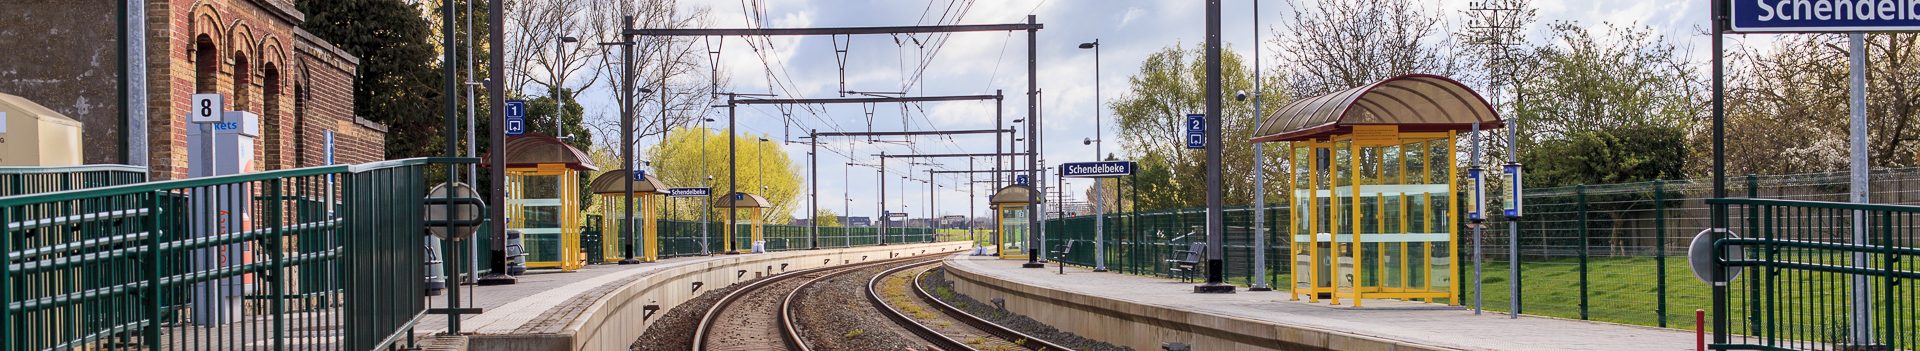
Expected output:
{"points": [[1340, 44], [534, 28], [676, 69]]}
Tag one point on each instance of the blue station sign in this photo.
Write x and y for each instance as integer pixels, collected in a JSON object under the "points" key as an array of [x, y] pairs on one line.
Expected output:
{"points": [[516, 114], [1020, 179], [1096, 169], [1807, 16], [1196, 128], [689, 192]]}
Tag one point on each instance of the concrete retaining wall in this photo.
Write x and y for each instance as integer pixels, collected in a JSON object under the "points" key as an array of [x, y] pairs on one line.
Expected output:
{"points": [[615, 321], [1146, 327]]}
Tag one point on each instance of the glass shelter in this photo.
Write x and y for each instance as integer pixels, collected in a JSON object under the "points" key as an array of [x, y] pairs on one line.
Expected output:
{"points": [[1372, 190], [615, 244], [754, 205], [1010, 229], [543, 199]]}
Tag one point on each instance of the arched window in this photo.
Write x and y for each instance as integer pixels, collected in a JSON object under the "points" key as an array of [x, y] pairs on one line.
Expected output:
{"points": [[270, 116], [206, 65], [242, 78]]}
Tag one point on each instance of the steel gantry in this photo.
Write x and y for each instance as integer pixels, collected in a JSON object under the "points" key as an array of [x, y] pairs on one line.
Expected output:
{"points": [[1032, 27], [813, 140]]}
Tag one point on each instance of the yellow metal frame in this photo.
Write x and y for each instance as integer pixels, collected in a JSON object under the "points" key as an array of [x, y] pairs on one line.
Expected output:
{"points": [[572, 256], [1000, 233], [1344, 259], [611, 240], [755, 232]]}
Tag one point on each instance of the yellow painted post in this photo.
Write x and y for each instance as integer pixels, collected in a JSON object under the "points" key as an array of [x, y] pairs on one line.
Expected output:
{"points": [[756, 235], [650, 237], [1453, 230], [1334, 216], [1353, 172], [1293, 223]]}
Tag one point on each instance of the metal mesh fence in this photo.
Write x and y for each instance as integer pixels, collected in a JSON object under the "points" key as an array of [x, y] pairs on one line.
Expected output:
{"points": [[1614, 252]]}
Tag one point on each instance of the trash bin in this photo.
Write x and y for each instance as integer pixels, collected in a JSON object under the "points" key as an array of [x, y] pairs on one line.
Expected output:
{"points": [[516, 257], [436, 277]]}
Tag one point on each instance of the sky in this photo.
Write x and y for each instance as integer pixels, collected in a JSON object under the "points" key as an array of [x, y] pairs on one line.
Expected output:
{"points": [[981, 63]]}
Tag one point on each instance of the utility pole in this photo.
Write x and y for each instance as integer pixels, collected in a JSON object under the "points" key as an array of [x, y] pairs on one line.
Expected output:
{"points": [[1259, 171], [1216, 221], [1099, 139], [1033, 162]]}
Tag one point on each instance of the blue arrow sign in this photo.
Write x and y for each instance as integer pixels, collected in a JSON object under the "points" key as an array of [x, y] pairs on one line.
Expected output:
{"points": [[1825, 16], [1096, 169], [1196, 131], [689, 192], [516, 117]]}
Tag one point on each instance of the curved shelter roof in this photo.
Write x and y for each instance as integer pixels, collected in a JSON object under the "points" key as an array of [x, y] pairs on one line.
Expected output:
{"points": [[610, 183], [1011, 194], [1414, 102], [535, 149], [749, 201]]}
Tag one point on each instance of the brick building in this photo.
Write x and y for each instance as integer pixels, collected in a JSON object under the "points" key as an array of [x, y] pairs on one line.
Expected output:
{"points": [[251, 51]]}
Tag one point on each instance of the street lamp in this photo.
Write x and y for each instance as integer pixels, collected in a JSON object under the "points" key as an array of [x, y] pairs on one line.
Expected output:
{"points": [[559, 109], [1099, 215]]}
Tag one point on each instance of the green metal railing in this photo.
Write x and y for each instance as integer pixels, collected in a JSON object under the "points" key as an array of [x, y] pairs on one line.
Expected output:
{"points": [[252, 261], [35, 180], [1820, 275], [1613, 252]]}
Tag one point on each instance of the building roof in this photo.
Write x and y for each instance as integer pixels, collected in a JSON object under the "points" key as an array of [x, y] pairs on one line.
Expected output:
{"points": [[747, 201], [1413, 102], [1011, 194], [534, 149]]}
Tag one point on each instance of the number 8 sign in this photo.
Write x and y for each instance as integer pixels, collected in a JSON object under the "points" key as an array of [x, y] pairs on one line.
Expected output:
{"points": [[206, 108]]}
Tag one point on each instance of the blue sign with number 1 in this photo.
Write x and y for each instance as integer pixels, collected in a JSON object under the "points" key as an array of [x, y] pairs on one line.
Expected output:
{"points": [[1196, 131], [516, 117]]}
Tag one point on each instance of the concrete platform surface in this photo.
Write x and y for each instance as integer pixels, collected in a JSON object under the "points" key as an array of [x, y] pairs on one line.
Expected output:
{"points": [[1408, 324]]}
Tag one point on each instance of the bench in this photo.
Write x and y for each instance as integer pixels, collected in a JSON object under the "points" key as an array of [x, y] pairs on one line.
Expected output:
{"points": [[1187, 261]]}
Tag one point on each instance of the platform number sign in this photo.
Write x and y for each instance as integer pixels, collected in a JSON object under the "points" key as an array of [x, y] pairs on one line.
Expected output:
{"points": [[1196, 131], [206, 108], [516, 117], [639, 175], [1020, 179]]}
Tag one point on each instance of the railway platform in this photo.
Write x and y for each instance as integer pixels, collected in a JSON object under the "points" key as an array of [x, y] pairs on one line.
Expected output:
{"points": [[605, 307], [1145, 312]]}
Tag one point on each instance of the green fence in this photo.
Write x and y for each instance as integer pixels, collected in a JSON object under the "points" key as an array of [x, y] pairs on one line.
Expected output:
{"points": [[253, 261], [35, 180], [1809, 283], [1613, 252]]}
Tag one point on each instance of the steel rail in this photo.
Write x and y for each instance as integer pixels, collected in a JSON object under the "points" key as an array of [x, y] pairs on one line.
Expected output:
{"points": [[980, 323], [873, 295]]}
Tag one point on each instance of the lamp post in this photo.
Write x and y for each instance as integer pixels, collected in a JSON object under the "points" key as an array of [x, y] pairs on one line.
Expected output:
{"points": [[1099, 215], [559, 109], [704, 220]]}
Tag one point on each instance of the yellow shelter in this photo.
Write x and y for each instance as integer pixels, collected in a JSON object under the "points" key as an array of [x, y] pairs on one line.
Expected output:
{"points": [[1010, 213], [543, 199], [611, 188], [755, 204], [1372, 189]]}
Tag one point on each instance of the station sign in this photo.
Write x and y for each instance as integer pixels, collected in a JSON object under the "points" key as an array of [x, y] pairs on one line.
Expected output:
{"points": [[1196, 131], [640, 175], [1813, 16], [900, 215], [1020, 179], [516, 117], [689, 192], [1096, 169]]}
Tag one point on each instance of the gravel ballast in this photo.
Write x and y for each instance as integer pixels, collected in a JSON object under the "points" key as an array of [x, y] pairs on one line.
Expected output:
{"points": [[937, 284]]}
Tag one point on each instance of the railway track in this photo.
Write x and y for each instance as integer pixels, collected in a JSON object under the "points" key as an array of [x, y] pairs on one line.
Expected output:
{"points": [[763, 315]]}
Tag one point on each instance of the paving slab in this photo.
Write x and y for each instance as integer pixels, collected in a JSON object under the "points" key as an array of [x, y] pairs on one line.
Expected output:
{"points": [[1401, 322]]}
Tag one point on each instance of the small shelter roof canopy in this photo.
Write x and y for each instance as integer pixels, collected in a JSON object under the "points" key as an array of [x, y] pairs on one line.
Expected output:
{"points": [[747, 201], [1414, 102], [535, 149], [609, 183], [1011, 194]]}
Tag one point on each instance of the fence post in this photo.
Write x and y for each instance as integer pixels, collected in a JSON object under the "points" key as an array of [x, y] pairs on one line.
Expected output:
{"points": [[1660, 248], [1580, 191], [276, 287], [151, 333]]}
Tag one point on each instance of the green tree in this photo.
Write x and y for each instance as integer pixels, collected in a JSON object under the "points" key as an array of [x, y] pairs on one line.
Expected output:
{"points": [[1787, 106], [1595, 110], [689, 155], [826, 218], [1170, 85], [540, 120], [397, 82]]}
